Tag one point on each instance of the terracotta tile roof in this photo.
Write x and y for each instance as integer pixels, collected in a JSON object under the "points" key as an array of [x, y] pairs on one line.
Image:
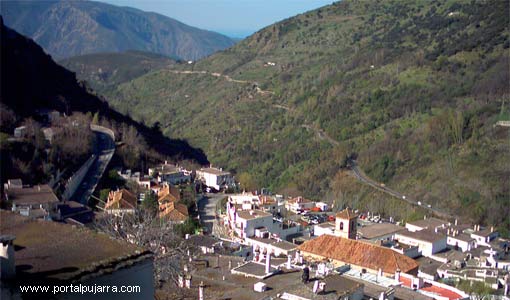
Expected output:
{"points": [[121, 199], [451, 295], [347, 214], [174, 211], [169, 193], [359, 253]]}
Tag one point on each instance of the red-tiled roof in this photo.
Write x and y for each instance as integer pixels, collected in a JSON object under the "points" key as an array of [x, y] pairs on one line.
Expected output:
{"points": [[359, 253], [433, 289], [347, 214], [122, 199]]}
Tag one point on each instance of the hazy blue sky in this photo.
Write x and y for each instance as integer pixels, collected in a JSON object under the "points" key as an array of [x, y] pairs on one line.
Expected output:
{"points": [[236, 18]]}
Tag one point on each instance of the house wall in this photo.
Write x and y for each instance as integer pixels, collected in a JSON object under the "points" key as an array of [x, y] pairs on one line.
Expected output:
{"points": [[426, 248], [318, 231], [250, 225], [463, 245]]}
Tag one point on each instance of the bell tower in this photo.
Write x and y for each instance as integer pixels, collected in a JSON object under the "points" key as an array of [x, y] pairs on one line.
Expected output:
{"points": [[346, 224]]}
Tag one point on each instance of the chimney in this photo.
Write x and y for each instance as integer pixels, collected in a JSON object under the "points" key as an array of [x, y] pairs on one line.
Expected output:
{"points": [[201, 291], [435, 230], [8, 264], [380, 272], [397, 275], [268, 262], [187, 281], [474, 227], [492, 229], [425, 217], [448, 231], [316, 287], [38, 188], [288, 262], [382, 296], [455, 222]]}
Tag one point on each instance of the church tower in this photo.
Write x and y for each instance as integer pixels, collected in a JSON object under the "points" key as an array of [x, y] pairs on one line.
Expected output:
{"points": [[346, 224]]}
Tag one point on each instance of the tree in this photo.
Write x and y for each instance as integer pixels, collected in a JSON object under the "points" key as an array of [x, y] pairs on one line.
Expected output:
{"points": [[150, 202], [148, 231]]}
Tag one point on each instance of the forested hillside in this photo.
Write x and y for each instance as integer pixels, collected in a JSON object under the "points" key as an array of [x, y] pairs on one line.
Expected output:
{"points": [[107, 70], [32, 82], [412, 89]]}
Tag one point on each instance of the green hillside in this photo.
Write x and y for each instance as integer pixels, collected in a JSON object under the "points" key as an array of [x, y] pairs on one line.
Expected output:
{"points": [[411, 88], [107, 70]]}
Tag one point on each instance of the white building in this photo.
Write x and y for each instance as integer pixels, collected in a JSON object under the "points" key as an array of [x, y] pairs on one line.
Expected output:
{"points": [[170, 173], [216, 178], [427, 223], [482, 236], [299, 204], [324, 228], [245, 222], [428, 241], [462, 241]]}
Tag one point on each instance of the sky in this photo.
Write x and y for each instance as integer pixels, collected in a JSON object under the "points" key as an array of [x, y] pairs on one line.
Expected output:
{"points": [[234, 18]]}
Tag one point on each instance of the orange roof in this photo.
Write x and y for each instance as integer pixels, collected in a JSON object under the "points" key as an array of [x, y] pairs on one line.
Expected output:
{"points": [[169, 193], [121, 199], [433, 289], [347, 214], [174, 211], [365, 255]]}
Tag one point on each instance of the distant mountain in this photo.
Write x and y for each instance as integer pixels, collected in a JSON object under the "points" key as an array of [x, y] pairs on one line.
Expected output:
{"points": [[106, 70], [70, 28], [32, 81]]}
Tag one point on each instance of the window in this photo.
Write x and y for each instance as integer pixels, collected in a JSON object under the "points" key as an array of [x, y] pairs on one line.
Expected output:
{"points": [[341, 225]]}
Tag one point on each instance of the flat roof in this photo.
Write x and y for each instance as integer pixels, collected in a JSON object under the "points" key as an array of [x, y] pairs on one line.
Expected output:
{"points": [[40, 194], [62, 251], [429, 223], [378, 229], [337, 286], [278, 244], [253, 214], [422, 235], [214, 171]]}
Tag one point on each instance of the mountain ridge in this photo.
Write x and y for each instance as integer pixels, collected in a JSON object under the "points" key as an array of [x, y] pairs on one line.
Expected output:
{"points": [[70, 28]]}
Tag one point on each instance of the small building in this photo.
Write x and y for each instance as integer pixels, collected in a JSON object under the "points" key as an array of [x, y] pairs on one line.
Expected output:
{"points": [[37, 201], [379, 232], [246, 221], [173, 212], [461, 241], [332, 287], [216, 178], [299, 204], [322, 206], [482, 236], [20, 132], [428, 241], [427, 223], [324, 228], [360, 255], [170, 173], [121, 202], [346, 223], [267, 245]]}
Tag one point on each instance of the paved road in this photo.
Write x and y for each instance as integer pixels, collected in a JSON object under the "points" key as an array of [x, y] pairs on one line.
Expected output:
{"points": [[104, 147], [365, 179], [207, 212]]}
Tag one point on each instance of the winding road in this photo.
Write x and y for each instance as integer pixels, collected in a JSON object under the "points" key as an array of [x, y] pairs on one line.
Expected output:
{"points": [[321, 134]]}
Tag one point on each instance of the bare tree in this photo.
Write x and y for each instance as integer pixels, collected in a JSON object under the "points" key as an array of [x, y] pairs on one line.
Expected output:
{"points": [[146, 230]]}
